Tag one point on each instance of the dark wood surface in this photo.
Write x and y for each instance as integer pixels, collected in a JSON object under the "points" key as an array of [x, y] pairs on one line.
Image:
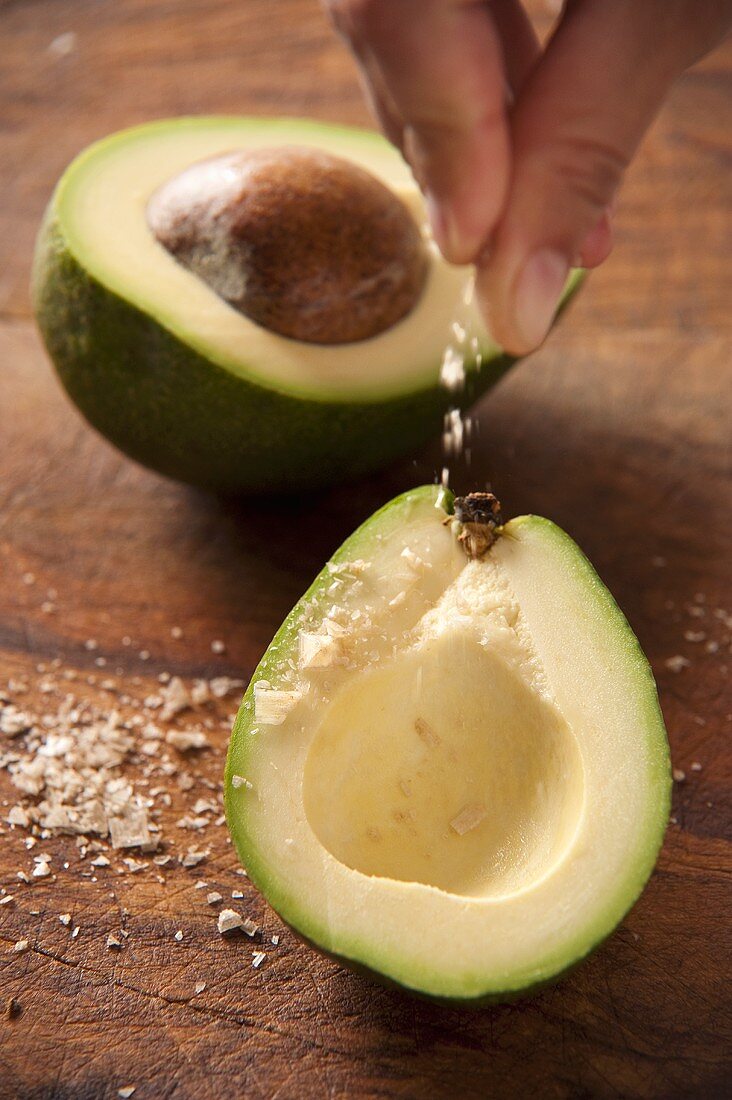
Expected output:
{"points": [[618, 430]]}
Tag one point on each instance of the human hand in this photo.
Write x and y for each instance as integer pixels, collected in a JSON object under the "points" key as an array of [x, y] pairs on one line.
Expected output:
{"points": [[519, 151]]}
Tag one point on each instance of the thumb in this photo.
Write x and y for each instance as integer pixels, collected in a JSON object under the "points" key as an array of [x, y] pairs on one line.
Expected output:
{"points": [[575, 128]]}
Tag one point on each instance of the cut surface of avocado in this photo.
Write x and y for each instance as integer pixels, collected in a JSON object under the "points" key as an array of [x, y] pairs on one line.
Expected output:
{"points": [[102, 202], [452, 772]]}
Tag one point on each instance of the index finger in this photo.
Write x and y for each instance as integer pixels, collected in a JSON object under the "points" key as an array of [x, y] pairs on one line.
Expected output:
{"points": [[438, 64]]}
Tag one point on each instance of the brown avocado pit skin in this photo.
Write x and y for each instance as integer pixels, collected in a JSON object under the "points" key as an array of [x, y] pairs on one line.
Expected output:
{"points": [[304, 243]]}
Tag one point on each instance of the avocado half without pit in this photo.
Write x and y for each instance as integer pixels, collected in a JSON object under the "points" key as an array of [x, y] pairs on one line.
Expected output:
{"points": [[250, 305], [450, 767]]}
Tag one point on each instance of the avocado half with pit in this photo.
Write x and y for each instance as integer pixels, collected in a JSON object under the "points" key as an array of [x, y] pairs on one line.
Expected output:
{"points": [[249, 304], [450, 767]]}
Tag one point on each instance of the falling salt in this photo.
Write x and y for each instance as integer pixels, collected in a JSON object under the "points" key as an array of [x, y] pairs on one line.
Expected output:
{"points": [[453, 433], [462, 350], [452, 369], [62, 44]]}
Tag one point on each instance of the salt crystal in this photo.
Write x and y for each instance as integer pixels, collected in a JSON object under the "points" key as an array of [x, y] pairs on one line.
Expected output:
{"points": [[62, 45], [318, 650], [14, 721], [130, 831], [187, 740], [229, 920], [453, 434], [200, 693], [222, 686], [204, 806], [175, 699], [355, 568], [18, 816], [677, 664], [452, 369], [419, 565], [271, 707], [193, 857], [199, 987], [331, 625], [188, 822], [19, 947], [468, 818]]}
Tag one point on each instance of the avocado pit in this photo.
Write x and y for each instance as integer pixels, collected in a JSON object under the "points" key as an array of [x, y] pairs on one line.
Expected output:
{"points": [[304, 243]]}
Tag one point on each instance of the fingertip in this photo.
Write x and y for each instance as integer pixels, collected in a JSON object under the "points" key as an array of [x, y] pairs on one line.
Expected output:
{"points": [[457, 245], [464, 182], [520, 301], [598, 244]]}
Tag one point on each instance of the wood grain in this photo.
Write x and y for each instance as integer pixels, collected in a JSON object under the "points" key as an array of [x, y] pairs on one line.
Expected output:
{"points": [[618, 429]]}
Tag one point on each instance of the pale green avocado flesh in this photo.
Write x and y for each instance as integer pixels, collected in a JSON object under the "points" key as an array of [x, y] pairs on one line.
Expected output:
{"points": [[452, 773], [186, 384]]}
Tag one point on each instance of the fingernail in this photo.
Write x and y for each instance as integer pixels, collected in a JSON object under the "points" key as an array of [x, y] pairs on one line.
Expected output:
{"points": [[536, 297], [598, 243], [444, 229]]}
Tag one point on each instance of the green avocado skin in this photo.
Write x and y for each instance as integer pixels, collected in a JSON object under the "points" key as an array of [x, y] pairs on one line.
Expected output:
{"points": [[509, 996], [172, 409], [277, 894]]}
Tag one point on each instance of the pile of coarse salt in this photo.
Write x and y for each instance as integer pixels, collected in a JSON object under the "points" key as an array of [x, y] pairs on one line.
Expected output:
{"points": [[81, 768]]}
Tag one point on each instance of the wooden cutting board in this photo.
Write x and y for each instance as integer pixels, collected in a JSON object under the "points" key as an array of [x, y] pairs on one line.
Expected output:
{"points": [[618, 429]]}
